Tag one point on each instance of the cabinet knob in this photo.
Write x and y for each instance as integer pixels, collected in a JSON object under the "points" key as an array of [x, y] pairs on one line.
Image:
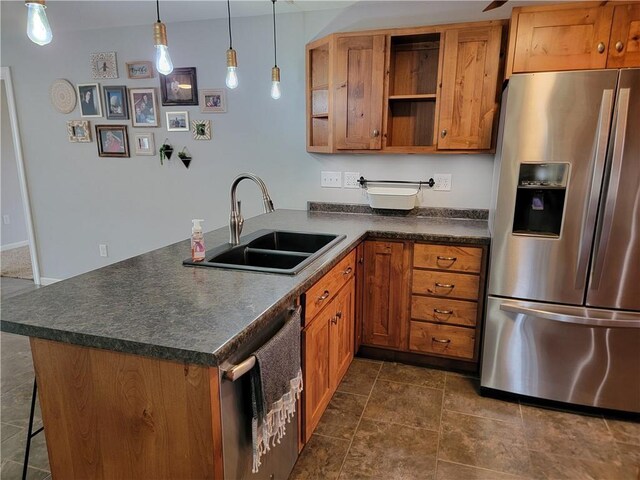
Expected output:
{"points": [[347, 271], [338, 315], [601, 47], [324, 296], [376, 133], [443, 133], [619, 46]]}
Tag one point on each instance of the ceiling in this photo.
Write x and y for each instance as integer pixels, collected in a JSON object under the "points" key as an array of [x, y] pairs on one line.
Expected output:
{"points": [[92, 14]]}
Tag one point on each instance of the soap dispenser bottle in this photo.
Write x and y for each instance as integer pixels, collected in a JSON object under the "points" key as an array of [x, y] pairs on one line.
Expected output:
{"points": [[197, 241]]}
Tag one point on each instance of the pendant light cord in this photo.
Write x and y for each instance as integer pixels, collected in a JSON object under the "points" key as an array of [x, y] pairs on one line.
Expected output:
{"points": [[158, 9], [275, 50], [229, 17]]}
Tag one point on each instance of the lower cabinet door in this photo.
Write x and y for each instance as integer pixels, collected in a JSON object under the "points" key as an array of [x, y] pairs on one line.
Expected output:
{"points": [[317, 386], [386, 295], [342, 328]]}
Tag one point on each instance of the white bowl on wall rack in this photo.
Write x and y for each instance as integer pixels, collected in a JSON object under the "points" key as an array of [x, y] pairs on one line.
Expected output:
{"points": [[392, 198]]}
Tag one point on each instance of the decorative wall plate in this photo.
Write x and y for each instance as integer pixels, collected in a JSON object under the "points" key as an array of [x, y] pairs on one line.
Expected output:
{"points": [[63, 96], [104, 65]]}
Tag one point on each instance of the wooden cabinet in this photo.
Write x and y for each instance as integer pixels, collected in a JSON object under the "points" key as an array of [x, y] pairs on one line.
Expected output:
{"points": [[397, 91], [386, 279], [446, 289], [624, 45], [422, 303], [359, 75], [319, 98], [574, 36], [469, 98], [328, 339]]}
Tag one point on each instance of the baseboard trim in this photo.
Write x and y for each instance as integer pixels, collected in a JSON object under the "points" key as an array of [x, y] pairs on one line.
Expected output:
{"points": [[44, 281], [11, 246]]}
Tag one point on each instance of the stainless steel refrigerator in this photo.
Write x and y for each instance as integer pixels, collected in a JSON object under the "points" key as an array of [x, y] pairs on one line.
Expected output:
{"points": [[563, 310]]}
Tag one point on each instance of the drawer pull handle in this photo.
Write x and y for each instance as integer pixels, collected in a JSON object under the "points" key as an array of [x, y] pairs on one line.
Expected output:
{"points": [[338, 315], [440, 340], [442, 312], [447, 259], [347, 271], [445, 285], [334, 320], [324, 296]]}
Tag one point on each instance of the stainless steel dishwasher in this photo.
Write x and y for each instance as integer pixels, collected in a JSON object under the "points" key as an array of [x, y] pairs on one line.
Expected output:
{"points": [[236, 413]]}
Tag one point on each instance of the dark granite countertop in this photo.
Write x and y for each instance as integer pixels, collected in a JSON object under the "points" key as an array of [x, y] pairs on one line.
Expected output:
{"points": [[153, 305]]}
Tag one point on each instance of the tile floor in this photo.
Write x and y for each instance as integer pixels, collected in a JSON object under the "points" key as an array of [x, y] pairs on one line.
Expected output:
{"points": [[16, 384], [392, 421], [389, 421]]}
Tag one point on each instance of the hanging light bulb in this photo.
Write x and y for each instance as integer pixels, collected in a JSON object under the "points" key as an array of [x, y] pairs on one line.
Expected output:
{"points": [[38, 29], [275, 71], [232, 59], [275, 83], [164, 65]]}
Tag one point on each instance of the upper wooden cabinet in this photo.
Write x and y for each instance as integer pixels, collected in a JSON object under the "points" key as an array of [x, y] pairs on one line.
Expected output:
{"points": [[468, 103], [413, 90], [359, 76], [574, 36], [624, 50]]}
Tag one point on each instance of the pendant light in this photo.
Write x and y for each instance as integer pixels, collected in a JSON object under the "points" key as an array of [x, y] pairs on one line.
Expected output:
{"points": [[38, 29], [164, 65], [232, 58], [275, 71]]}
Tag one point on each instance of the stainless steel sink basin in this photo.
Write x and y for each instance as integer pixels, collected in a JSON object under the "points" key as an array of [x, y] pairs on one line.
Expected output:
{"points": [[271, 251]]}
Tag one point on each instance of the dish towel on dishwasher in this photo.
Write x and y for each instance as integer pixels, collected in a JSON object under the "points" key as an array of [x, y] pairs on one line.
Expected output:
{"points": [[276, 383]]}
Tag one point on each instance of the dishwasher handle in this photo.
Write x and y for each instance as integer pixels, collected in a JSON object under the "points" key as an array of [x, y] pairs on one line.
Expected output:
{"points": [[234, 372]]}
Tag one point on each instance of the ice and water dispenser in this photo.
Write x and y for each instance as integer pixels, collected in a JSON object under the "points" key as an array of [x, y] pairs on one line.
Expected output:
{"points": [[540, 198]]}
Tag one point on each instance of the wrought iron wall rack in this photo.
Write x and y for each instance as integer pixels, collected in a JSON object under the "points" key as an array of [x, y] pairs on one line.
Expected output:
{"points": [[430, 183]]}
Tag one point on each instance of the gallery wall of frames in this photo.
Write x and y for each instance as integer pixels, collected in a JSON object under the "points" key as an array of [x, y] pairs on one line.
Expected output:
{"points": [[135, 123]]}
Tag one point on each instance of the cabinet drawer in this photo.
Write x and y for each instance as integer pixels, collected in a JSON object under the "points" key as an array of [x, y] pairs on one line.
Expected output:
{"points": [[444, 257], [442, 339], [443, 284], [323, 291], [444, 310]]}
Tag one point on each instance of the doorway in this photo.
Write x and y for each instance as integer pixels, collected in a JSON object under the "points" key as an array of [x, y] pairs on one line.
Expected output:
{"points": [[18, 253]]}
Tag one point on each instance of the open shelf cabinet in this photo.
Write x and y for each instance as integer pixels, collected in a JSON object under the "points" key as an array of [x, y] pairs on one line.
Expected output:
{"points": [[319, 97]]}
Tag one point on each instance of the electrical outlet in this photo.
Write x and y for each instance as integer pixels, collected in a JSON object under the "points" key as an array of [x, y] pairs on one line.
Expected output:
{"points": [[331, 179], [351, 180], [443, 181], [103, 250], [6, 219]]}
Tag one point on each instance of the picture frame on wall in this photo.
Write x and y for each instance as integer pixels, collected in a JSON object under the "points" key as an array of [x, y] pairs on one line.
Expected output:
{"points": [[138, 70], [115, 102], [144, 144], [213, 100], [180, 87], [89, 96], [112, 140], [201, 129], [79, 131], [178, 121], [103, 65], [144, 107]]}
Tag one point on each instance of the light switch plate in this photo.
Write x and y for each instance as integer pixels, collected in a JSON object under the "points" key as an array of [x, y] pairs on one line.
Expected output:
{"points": [[331, 179], [6, 219], [443, 182], [351, 179], [103, 250]]}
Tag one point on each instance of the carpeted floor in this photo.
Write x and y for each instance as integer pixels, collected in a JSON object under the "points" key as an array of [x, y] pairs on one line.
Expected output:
{"points": [[16, 263]]}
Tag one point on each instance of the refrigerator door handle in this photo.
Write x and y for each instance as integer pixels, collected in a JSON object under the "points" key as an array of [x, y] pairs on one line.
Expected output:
{"points": [[589, 219], [568, 318], [604, 230]]}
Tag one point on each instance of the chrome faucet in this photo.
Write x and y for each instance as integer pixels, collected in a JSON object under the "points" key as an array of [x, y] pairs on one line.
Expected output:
{"points": [[235, 219]]}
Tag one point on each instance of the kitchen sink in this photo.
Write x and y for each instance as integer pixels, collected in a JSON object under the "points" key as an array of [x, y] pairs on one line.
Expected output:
{"points": [[270, 251]]}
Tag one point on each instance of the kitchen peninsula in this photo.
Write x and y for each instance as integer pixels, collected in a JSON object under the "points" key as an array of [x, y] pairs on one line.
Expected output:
{"points": [[130, 354]]}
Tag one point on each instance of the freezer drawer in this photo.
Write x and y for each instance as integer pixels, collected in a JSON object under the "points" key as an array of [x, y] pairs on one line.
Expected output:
{"points": [[570, 354]]}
